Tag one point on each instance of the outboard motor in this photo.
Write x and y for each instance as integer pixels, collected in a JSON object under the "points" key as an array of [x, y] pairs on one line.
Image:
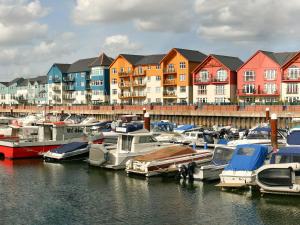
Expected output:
{"points": [[191, 170], [183, 171]]}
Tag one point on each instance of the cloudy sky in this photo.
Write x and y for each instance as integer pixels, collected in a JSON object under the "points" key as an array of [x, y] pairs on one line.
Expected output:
{"points": [[36, 33]]}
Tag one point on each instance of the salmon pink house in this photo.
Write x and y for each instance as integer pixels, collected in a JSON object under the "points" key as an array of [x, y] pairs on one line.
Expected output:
{"points": [[260, 77], [215, 79]]}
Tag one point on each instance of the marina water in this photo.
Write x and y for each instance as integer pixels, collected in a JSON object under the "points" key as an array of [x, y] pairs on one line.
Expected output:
{"points": [[34, 192]]}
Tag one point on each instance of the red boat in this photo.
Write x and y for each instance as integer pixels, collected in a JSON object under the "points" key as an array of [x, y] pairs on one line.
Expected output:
{"points": [[31, 143]]}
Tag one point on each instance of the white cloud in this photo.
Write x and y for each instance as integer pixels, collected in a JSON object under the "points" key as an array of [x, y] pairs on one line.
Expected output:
{"points": [[249, 20], [117, 44], [154, 15]]}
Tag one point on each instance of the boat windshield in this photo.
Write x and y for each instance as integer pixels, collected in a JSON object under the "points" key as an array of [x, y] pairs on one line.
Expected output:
{"points": [[258, 135], [222, 155], [287, 159]]}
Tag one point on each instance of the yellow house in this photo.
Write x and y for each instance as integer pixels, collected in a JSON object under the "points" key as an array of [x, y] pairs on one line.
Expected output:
{"points": [[177, 79], [136, 79]]}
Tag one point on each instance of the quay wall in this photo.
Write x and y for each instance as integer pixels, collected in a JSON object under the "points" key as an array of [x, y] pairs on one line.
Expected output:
{"points": [[206, 115]]}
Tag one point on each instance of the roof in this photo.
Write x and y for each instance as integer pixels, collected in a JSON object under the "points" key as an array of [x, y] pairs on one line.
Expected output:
{"points": [[16, 80], [233, 63], [280, 58], [39, 80], [62, 67], [102, 60], [81, 65], [4, 83], [248, 157], [151, 59], [133, 59], [191, 55]]}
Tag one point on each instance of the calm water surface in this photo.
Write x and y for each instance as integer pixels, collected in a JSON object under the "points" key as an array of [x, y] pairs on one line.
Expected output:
{"points": [[34, 192]]}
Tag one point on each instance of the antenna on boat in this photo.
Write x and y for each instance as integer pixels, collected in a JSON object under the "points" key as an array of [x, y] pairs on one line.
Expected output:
{"points": [[273, 124]]}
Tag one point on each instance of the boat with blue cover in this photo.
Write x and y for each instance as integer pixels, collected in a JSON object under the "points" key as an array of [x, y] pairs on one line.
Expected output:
{"points": [[245, 160], [68, 151]]}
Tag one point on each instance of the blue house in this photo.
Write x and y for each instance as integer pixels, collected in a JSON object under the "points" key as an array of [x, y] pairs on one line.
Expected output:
{"points": [[100, 80]]}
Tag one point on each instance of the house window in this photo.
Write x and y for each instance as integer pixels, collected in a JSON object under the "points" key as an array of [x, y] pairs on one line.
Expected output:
{"points": [[182, 65], [158, 66], [82, 84], [129, 69], [219, 100], [249, 89], [149, 78], [114, 101], [158, 100], [122, 70], [270, 88], [157, 89], [114, 81], [140, 70], [171, 68], [202, 90], [203, 75], [293, 72], [182, 77], [221, 75], [149, 67], [220, 90], [149, 100], [157, 78], [201, 100], [182, 89], [292, 88], [249, 75], [114, 70], [270, 74], [114, 91]]}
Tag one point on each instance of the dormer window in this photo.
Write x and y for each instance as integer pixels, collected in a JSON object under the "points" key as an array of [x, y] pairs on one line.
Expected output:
{"points": [[203, 75], [221, 75]]}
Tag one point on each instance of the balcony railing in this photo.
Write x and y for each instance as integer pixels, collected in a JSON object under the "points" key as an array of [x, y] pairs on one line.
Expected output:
{"points": [[68, 97], [56, 98], [220, 80], [56, 88], [201, 81], [138, 94], [169, 94], [243, 92], [140, 73], [169, 82], [289, 78], [169, 70], [124, 85], [69, 79], [56, 80], [69, 88], [289, 92], [124, 74], [138, 84]]}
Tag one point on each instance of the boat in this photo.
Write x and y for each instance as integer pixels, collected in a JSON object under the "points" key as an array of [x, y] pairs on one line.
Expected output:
{"points": [[260, 135], [245, 160], [211, 171], [67, 151], [46, 136], [166, 160], [129, 145], [282, 175], [182, 128]]}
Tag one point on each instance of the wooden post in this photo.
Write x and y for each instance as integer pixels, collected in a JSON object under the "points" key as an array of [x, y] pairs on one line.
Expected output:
{"points": [[267, 115], [273, 124], [144, 111], [147, 121]]}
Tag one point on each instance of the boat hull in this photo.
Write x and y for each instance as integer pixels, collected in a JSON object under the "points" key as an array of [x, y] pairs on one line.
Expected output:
{"points": [[209, 172], [56, 157]]}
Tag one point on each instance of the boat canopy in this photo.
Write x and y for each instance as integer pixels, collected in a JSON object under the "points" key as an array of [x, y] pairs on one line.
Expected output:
{"points": [[294, 137], [222, 155], [69, 147], [287, 154], [247, 157], [185, 127]]}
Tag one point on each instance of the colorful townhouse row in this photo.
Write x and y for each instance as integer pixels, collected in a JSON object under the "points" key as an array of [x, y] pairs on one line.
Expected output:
{"points": [[181, 76]]}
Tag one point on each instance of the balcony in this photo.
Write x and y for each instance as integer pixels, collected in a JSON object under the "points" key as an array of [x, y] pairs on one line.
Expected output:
{"points": [[125, 95], [168, 82], [88, 87], [242, 92], [292, 92], [140, 73], [216, 80], [69, 88], [199, 81], [56, 98], [138, 84], [56, 80], [124, 74], [138, 94], [56, 88], [169, 71], [68, 97], [123, 85], [69, 79], [289, 78], [169, 94]]}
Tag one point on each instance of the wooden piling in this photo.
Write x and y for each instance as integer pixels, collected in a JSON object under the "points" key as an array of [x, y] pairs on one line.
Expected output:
{"points": [[273, 123]]}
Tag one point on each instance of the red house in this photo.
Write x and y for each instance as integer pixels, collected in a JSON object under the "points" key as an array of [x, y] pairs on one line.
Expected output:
{"points": [[215, 79], [260, 77]]}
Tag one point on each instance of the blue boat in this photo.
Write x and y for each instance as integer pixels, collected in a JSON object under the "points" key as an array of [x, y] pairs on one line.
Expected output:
{"points": [[68, 151], [245, 160]]}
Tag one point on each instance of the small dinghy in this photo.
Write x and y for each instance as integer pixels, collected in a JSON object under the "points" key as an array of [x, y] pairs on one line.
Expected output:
{"points": [[68, 151], [241, 170], [282, 175]]}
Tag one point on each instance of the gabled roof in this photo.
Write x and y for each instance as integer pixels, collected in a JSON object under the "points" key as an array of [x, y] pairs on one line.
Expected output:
{"points": [[39, 79], [151, 59], [16, 80], [190, 55], [102, 60], [233, 63], [81, 65], [62, 67], [280, 57], [133, 59], [4, 83]]}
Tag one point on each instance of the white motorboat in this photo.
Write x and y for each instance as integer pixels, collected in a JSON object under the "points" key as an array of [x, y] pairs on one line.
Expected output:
{"points": [[241, 170], [129, 145], [166, 160]]}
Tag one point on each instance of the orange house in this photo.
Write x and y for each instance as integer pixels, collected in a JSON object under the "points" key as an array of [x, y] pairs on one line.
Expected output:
{"points": [[177, 80], [136, 79], [215, 79]]}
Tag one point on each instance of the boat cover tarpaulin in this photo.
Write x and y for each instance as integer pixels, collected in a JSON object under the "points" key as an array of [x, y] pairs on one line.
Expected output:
{"points": [[248, 157], [293, 150], [165, 153], [262, 129], [293, 138], [185, 127], [70, 147]]}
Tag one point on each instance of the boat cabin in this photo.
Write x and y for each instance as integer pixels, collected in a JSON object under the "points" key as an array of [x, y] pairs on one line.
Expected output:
{"points": [[222, 155], [286, 155]]}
